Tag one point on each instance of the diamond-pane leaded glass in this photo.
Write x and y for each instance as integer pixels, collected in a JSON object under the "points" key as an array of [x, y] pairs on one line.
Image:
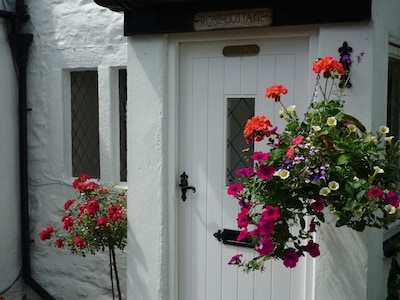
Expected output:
{"points": [[122, 123], [239, 111], [85, 124]]}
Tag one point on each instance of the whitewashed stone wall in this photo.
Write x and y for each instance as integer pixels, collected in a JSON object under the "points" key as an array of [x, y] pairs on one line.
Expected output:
{"points": [[68, 35], [10, 254], [352, 266]]}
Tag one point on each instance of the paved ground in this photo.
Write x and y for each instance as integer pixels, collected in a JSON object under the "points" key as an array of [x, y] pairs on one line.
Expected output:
{"points": [[20, 291]]}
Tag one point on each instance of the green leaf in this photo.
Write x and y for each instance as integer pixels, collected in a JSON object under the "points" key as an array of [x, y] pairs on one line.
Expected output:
{"points": [[343, 159], [360, 195]]}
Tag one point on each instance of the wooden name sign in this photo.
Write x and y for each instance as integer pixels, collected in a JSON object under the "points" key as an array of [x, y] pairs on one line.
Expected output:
{"points": [[246, 18]]}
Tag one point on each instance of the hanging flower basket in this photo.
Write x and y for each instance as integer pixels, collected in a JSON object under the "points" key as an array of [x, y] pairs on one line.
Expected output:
{"points": [[327, 162]]}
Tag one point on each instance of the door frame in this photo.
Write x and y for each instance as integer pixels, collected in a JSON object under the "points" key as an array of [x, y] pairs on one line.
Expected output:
{"points": [[174, 41]]}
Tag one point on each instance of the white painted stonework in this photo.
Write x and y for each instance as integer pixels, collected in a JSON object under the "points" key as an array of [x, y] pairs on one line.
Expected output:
{"points": [[77, 35], [80, 35], [10, 256]]}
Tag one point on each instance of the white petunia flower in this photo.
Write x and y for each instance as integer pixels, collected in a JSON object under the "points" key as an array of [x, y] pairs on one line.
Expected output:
{"points": [[324, 191], [316, 128], [283, 174], [352, 128], [390, 209], [331, 121], [389, 139], [378, 170], [384, 129], [333, 185]]}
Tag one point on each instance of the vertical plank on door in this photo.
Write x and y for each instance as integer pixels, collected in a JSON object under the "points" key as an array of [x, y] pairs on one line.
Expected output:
{"points": [[199, 176], [215, 175]]}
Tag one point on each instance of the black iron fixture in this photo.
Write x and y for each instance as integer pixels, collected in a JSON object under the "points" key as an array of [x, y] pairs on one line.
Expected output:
{"points": [[345, 60], [229, 237], [184, 185], [391, 246]]}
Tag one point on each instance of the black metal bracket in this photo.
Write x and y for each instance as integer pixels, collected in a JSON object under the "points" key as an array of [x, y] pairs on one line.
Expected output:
{"points": [[345, 60], [229, 237], [184, 185], [391, 246]]}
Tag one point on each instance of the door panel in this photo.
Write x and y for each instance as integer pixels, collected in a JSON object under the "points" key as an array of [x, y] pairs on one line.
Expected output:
{"points": [[207, 81]]}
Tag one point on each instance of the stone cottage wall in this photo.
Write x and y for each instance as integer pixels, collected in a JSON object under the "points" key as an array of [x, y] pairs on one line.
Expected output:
{"points": [[10, 255], [68, 35]]}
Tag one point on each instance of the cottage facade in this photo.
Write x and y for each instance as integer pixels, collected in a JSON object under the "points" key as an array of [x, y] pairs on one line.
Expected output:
{"points": [[181, 80]]}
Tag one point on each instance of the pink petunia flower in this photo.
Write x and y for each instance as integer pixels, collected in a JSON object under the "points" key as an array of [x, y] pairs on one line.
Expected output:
{"points": [[242, 235], [375, 192], [312, 248], [318, 205], [235, 188], [271, 213], [260, 156], [235, 259], [243, 219], [265, 172], [392, 198], [291, 259], [266, 246], [245, 172]]}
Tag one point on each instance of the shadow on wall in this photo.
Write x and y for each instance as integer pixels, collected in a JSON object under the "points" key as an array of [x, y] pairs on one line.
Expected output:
{"points": [[344, 251], [137, 262]]}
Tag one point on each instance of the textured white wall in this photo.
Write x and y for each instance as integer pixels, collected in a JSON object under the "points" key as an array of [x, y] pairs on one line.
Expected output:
{"points": [[10, 254], [69, 35], [147, 144]]}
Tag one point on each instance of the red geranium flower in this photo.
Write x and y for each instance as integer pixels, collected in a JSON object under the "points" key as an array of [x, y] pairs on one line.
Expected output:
{"points": [[275, 91], [327, 64], [257, 128]]}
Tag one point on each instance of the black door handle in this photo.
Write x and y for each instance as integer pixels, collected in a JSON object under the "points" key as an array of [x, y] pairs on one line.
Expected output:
{"points": [[184, 185]]}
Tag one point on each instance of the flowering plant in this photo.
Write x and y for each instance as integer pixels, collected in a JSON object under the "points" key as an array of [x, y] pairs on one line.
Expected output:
{"points": [[326, 163], [94, 221]]}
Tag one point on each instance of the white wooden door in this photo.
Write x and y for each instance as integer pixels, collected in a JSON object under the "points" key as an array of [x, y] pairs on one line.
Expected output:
{"points": [[210, 86]]}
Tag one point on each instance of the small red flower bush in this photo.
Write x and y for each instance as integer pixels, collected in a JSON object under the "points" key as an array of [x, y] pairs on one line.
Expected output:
{"points": [[96, 219]]}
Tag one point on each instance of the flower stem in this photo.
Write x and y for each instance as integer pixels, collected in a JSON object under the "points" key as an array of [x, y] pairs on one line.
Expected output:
{"points": [[111, 271], [111, 247]]}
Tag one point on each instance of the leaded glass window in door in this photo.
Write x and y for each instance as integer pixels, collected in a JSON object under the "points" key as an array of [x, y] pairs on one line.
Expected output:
{"points": [[239, 110]]}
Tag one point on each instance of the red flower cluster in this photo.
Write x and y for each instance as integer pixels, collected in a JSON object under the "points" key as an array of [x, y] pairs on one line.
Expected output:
{"points": [[257, 128], [275, 92], [326, 65], [46, 233], [83, 185]]}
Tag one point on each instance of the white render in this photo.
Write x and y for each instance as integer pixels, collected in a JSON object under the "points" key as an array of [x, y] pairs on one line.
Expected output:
{"points": [[80, 35], [77, 35], [10, 254]]}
